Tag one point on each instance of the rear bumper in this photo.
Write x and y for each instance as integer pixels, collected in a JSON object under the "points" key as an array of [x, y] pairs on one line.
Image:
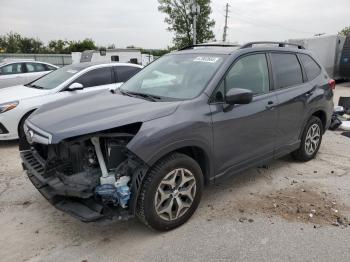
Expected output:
{"points": [[86, 210]]}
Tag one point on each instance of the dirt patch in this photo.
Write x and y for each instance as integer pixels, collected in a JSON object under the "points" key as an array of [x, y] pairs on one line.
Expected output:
{"points": [[299, 204]]}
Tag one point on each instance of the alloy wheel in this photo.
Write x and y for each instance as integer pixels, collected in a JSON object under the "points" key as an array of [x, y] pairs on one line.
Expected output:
{"points": [[312, 139], [175, 194]]}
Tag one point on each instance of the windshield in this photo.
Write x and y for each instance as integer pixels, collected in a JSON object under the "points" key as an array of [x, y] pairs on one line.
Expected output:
{"points": [[54, 79], [175, 76]]}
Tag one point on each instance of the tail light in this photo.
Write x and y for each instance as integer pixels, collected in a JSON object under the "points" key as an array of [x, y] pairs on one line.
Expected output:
{"points": [[331, 84]]}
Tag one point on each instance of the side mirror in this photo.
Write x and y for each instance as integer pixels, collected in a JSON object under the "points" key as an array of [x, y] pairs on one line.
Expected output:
{"points": [[238, 96], [75, 87]]}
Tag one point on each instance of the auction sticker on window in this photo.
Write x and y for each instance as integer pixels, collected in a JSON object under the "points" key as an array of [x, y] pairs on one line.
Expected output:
{"points": [[206, 59]]}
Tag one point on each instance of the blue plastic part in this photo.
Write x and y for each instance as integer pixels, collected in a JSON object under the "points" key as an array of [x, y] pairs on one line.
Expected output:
{"points": [[110, 194], [123, 193]]}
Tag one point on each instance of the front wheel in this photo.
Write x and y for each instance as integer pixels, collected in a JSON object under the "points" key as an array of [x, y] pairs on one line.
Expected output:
{"points": [[170, 193], [310, 141]]}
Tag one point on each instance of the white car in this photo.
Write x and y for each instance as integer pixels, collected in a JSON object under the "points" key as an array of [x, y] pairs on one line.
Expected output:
{"points": [[17, 72], [18, 102]]}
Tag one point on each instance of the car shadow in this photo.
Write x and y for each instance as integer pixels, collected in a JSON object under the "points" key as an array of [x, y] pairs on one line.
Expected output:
{"points": [[9, 143]]}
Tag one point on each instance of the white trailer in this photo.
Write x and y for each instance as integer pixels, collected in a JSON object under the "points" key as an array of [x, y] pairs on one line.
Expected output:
{"points": [[123, 55], [330, 52]]}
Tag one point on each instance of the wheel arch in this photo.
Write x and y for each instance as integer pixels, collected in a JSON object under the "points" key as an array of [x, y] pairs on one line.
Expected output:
{"points": [[199, 153], [23, 118], [321, 114]]}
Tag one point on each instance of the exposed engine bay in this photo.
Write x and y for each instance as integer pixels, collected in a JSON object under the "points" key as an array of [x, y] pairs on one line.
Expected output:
{"points": [[89, 177]]}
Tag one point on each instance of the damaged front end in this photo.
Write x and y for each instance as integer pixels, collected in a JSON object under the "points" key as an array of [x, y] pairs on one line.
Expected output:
{"points": [[90, 177]]}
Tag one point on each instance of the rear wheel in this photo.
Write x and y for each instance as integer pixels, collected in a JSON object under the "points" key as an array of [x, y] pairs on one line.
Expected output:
{"points": [[170, 193], [310, 141]]}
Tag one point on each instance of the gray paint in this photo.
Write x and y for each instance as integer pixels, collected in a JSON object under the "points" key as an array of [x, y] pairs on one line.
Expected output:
{"points": [[243, 136]]}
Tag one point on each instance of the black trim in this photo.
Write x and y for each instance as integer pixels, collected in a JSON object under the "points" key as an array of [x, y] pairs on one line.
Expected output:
{"points": [[3, 129]]}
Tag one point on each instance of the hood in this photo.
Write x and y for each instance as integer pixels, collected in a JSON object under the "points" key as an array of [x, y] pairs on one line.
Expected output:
{"points": [[13, 93], [94, 112]]}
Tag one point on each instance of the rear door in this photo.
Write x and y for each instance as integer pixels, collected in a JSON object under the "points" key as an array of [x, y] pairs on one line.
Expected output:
{"points": [[292, 93], [12, 74], [244, 134]]}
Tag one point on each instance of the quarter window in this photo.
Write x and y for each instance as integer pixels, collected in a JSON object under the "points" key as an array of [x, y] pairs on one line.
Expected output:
{"points": [[311, 67], [250, 72], [11, 69], [124, 73], [96, 77], [287, 70]]}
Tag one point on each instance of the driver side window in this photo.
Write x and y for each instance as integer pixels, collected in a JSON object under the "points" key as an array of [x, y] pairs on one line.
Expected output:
{"points": [[249, 72]]}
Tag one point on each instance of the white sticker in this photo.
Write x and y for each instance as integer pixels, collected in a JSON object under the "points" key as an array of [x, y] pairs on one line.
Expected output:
{"points": [[206, 59], [72, 71]]}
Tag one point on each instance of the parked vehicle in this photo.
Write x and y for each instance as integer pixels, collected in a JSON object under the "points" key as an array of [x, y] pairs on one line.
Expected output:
{"points": [[188, 119], [332, 51], [17, 72], [18, 102]]}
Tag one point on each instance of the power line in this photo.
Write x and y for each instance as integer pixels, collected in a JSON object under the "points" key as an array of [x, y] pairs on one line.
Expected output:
{"points": [[225, 27]]}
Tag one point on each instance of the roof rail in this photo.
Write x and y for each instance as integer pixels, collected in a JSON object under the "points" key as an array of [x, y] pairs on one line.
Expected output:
{"points": [[209, 45], [280, 44]]}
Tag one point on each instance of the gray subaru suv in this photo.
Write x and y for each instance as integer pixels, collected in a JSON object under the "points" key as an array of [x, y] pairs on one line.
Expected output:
{"points": [[191, 117]]}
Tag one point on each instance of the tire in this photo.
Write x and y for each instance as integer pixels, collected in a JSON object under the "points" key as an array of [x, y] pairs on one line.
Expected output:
{"points": [[170, 169], [23, 143], [307, 149]]}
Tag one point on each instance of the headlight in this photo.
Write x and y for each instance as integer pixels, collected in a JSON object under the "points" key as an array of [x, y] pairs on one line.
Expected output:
{"points": [[8, 106]]}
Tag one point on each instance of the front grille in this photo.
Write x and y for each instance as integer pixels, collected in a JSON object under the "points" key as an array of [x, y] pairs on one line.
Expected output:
{"points": [[42, 150], [3, 130]]}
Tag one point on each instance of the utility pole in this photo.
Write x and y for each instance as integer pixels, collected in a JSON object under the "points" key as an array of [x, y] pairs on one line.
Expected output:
{"points": [[195, 11], [225, 27]]}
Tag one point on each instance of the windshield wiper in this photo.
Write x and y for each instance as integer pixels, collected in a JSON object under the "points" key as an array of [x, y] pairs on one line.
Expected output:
{"points": [[150, 97], [35, 86]]}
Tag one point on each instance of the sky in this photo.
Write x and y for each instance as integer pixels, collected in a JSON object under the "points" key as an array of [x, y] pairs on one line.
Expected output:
{"points": [[139, 23]]}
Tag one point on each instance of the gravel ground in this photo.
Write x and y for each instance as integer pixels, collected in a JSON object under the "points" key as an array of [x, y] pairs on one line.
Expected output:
{"points": [[284, 211]]}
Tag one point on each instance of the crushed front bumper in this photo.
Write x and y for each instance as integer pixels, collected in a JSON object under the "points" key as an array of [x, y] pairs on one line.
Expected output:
{"points": [[84, 209]]}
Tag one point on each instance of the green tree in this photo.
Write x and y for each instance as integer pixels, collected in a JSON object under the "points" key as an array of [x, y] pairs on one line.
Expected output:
{"points": [[180, 20], [345, 31], [80, 46], [58, 46]]}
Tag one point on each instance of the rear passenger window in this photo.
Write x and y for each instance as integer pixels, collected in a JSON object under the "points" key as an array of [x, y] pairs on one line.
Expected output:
{"points": [[311, 67], [287, 70], [35, 67], [124, 73], [250, 72], [96, 77]]}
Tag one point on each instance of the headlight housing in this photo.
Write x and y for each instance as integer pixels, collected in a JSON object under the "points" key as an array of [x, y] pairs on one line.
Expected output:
{"points": [[8, 106]]}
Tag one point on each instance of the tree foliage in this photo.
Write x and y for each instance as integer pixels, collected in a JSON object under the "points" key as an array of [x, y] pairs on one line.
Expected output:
{"points": [[180, 20], [15, 43], [345, 31]]}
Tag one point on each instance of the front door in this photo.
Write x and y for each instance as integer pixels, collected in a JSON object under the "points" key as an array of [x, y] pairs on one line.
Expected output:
{"points": [[244, 133]]}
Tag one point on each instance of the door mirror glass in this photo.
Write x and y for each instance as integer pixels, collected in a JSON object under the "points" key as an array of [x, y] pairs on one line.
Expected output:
{"points": [[238, 96], [75, 86]]}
